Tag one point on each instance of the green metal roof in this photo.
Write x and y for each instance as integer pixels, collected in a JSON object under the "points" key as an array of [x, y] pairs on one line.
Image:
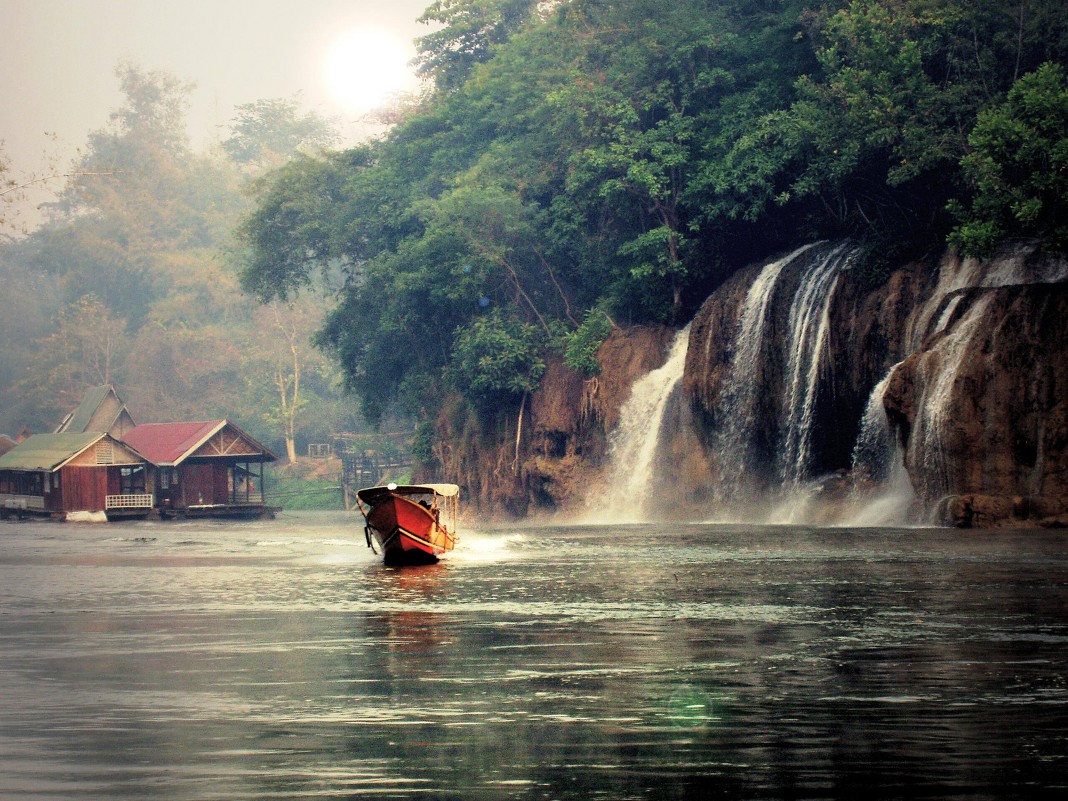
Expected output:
{"points": [[47, 451], [82, 417]]}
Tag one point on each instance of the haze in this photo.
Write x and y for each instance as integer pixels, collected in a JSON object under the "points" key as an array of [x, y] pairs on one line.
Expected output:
{"points": [[57, 65]]}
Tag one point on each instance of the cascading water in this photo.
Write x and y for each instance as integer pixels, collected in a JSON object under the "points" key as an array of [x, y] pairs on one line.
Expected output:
{"points": [[736, 450], [878, 457], [745, 450], [634, 443], [809, 333], [883, 493], [774, 389], [940, 367], [873, 452]]}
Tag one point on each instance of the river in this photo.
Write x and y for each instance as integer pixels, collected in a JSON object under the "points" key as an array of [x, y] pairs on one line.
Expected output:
{"points": [[281, 659]]}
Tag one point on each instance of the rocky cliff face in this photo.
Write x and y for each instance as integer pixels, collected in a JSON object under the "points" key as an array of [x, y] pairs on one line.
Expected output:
{"points": [[562, 439], [806, 392], [982, 407]]}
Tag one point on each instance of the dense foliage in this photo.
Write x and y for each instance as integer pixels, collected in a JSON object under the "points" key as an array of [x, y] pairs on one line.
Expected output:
{"points": [[131, 281], [583, 162]]}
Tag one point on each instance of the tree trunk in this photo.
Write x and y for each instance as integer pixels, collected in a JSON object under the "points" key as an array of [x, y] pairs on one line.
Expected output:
{"points": [[519, 435]]}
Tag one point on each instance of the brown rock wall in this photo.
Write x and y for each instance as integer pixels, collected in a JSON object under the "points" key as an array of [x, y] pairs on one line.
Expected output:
{"points": [[982, 406], [565, 425], [978, 396]]}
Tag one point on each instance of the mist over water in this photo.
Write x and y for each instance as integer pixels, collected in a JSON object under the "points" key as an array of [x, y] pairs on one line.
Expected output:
{"points": [[282, 660]]}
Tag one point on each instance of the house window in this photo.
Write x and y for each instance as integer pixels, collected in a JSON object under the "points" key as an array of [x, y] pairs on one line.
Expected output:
{"points": [[132, 480], [246, 483]]}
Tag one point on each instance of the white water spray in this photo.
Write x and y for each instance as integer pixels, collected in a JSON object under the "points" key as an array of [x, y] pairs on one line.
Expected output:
{"points": [[633, 445], [885, 496]]}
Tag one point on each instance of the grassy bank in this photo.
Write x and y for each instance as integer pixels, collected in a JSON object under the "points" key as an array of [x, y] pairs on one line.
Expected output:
{"points": [[305, 485]]}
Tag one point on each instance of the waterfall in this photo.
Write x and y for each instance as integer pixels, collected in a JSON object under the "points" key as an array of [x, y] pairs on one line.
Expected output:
{"points": [[882, 493], [634, 443], [940, 367], [768, 410], [809, 326], [874, 450], [739, 407], [768, 450], [878, 460]]}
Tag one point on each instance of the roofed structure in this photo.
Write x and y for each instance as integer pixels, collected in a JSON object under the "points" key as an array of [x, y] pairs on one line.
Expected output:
{"points": [[100, 410], [170, 444], [48, 452], [73, 471], [203, 468]]}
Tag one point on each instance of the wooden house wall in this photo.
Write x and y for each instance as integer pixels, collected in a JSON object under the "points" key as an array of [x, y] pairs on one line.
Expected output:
{"points": [[222, 483], [114, 481], [198, 484], [83, 489], [203, 483]]}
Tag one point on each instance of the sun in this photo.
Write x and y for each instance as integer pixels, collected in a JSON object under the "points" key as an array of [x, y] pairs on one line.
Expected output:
{"points": [[364, 67]]}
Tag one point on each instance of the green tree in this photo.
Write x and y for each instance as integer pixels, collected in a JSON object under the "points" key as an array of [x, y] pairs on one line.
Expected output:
{"points": [[626, 157], [469, 32], [267, 133], [496, 359], [1018, 167], [84, 349]]}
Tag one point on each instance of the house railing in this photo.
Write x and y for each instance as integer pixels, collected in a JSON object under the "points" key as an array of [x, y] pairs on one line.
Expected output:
{"points": [[9, 501], [128, 502]]}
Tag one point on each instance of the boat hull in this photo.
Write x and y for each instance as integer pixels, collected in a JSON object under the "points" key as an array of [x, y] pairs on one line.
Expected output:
{"points": [[407, 532]]}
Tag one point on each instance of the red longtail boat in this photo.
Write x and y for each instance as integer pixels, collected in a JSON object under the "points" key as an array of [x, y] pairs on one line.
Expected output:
{"points": [[410, 523]]}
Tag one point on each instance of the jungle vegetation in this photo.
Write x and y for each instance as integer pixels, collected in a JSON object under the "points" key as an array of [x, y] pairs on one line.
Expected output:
{"points": [[131, 279], [581, 164], [572, 166]]}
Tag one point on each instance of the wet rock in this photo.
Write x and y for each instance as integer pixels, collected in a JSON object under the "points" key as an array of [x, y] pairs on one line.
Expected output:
{"points": [[982, 406]]}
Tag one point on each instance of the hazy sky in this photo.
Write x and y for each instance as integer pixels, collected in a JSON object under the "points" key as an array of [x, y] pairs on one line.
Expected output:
{"points": [[58, 59]]}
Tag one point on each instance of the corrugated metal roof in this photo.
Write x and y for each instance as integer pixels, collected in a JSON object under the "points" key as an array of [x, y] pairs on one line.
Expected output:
{"points": [[81, 419], [47, 451], [168, 444]]}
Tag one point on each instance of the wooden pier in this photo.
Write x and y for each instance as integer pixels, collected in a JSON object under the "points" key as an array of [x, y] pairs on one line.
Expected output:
{"points": [[367, 461]]}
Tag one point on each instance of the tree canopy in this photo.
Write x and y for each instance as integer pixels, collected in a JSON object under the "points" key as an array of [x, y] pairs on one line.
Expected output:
{"points": [[131, 279], [578, 163]]}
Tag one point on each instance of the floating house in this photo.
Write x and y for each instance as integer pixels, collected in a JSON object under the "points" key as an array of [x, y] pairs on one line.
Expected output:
{"points": [[59, 475], [99, 463], [203, 469]]}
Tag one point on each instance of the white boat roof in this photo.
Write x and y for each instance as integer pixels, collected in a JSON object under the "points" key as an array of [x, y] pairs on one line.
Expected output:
{"points": [[445, 490]]}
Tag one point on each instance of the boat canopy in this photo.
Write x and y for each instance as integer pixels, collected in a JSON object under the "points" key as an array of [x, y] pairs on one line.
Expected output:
{"points": [[372, 494]]}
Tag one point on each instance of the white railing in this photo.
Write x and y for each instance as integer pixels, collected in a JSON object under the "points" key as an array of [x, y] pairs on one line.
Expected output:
{"points": [[22, 501], [128, 502]]}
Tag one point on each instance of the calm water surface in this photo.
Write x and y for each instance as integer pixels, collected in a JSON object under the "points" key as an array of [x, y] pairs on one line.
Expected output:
{"points": [[282, 660]]}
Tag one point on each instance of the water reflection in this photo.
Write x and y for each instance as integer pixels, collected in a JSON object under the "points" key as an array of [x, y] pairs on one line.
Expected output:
{"points": [[555, 662]]}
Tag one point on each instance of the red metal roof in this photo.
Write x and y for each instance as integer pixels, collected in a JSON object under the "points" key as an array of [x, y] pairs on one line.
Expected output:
{"points": [[170, 443]]}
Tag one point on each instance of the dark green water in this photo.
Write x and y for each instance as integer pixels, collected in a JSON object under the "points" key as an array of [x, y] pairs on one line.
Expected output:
{"points": [[282, 660]]}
